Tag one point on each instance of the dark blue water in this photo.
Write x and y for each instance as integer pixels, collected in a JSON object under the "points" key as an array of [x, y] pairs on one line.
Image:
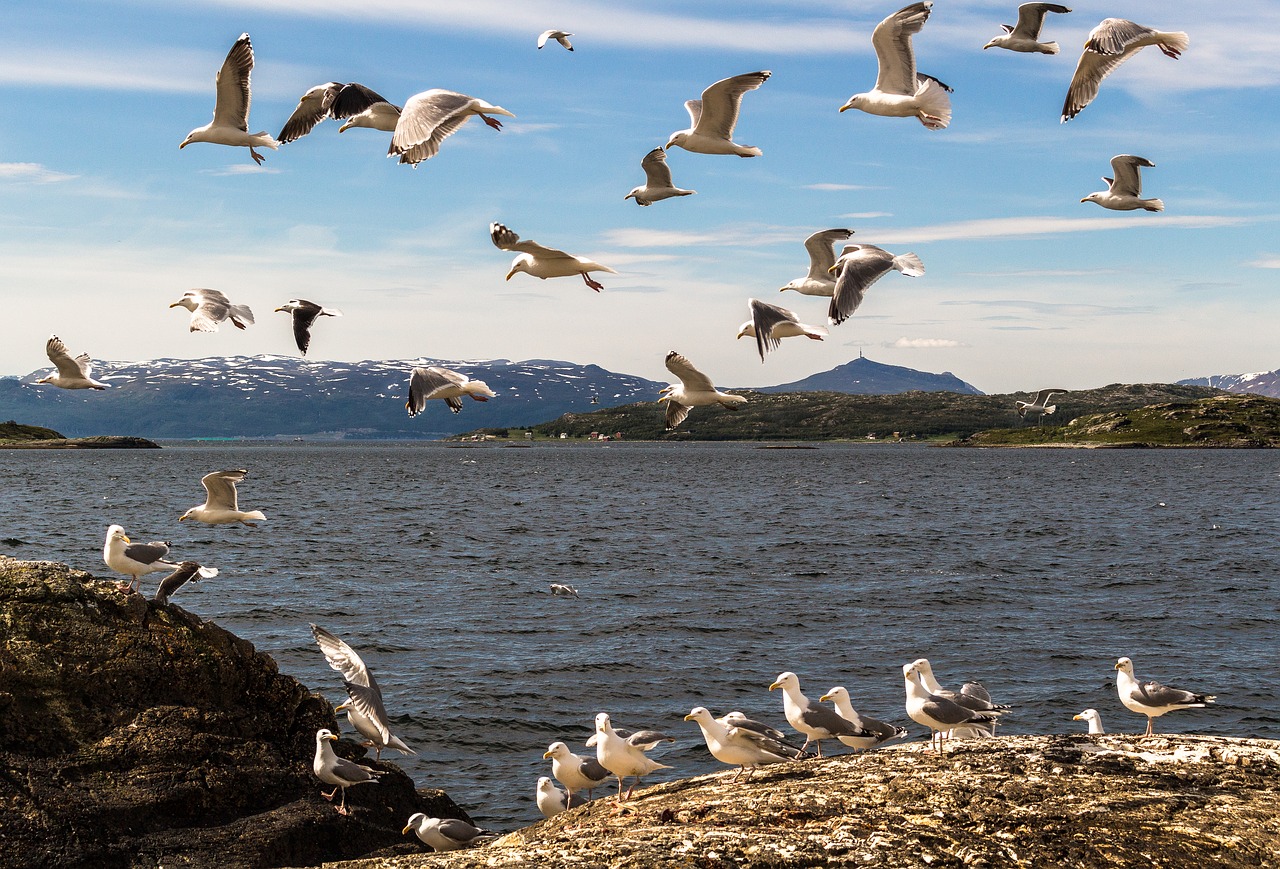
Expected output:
{"points": [[704, 571]]}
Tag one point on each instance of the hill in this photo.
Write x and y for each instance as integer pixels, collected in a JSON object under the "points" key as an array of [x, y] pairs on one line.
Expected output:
{"points": [[864, 377], [1259, 383]]}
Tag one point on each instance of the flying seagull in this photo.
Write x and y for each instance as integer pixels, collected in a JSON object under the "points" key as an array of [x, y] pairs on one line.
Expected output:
{"points": [[74, 373], [430, 117], [574, 771], [901, 91], [657, 180], [874, 730], [695, 390], [822, 257], [550, 799], [1025, 36], [187, 571], [445, 834], [1124, 192], [558, 35], [1151, 698], [353, 102], [544, 262], [858, 267], [136, 560], [1110, 44], [564, 590], [625, 755], [230, 124], [815, 721], [712, 118], [1040, 404], [220, 507], [365, 710], [769, 324], [445, 384], [1094, 719], [338, 771], [304, 314], [209, 308]]}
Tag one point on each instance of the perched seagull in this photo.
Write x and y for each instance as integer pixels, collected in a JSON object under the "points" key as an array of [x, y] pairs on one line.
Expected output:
{"points": [[445, 834], [209, 308], [876, 731], [1025, 36], [544, 262], [858, 267], [304, 314], [657, 180], [1040, 404], [74, 373], [136, 560], [230, 124], [353, 102], [815, 721], [900, 91], [364, 709], [822, 257], [558, 35], [430, 117], [337, 771], [1151, 698], [445, 384], [975, 697], [939, 714], [188, 571], [739, 719], [1110, 44], [740, 745], [769, 324], [625, 756], [563, 590], [1094, 719], [1124, 192], [713, 117], [219, 507], [574, 771], [551, 800], [695, 390]]}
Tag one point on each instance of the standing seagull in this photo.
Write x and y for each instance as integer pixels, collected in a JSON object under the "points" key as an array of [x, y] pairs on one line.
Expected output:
{"points": [[136, 560], [445, 384], [558, 35], [445, 834], [712, 118], [1025, 36], [365, 710], [1151, 698], [74, 373], [815, 721], [1040, 404], [740, 745], [574, 771], [338, 771], [900, 91], [769, 324], [1124, 192], [430, 117], [304, 314], [220, 506], [657, 180], [876, 731], [209, 308], [230, 124], [625, 756], [695, 390], [353, 102], [1110, 44], [544, 262], [860, 266], [822, 257], [939, 714]]}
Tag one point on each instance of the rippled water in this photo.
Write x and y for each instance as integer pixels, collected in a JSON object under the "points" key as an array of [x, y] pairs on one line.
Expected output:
{"points": [[705, 570]]}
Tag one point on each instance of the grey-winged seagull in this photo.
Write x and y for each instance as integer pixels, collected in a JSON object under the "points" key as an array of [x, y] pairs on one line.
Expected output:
{"points": [[187, 571], [815, 721], [445, 834], [338, 771], [136, 560], [559, 36], [625, 755], [939, 714], [972, 696], [822, 256], [432, 116], [1151, 698], [712, 118], [1039, 404], [364, 709], [352, 102], [230, 124], [874, 730], [694, 390], [304, 313], [901, 91], [574, 771], [1124, 192], [72, 373], [550, 799], [544, 262], [857, 268], [210, 307], [1110, 44], [1094, 719], [1025, 35], [769, 324], [657, 180], [445, 384], [740, 746], [220, 505]]}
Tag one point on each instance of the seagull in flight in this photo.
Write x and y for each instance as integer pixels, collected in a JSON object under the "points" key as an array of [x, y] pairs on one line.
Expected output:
{"points": [[694, 390], [901, 91], [1110, 44], [210, 307], [558, 35], [1124, 192], [544, 262], [230, 124], [1025, 35], [430, 117], [72, 373], [712, 118]]}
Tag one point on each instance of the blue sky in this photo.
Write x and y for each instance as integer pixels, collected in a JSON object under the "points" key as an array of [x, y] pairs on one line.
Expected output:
{"points": [[104, 222]]}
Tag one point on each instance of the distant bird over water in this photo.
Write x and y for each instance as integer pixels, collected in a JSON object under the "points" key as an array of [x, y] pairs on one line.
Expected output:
{"points": [[74, 373], [1025, 36], [544, 262], [559, 36], [1151, 698], [1124, 192], [1039, 404], [657, 180], [822, 256], [230, 124], [210, 307], [304, 313], [1109, 45], [432, 116], [694, 390], [901, 91], [712, 118], [445, 384], [220, 506]]}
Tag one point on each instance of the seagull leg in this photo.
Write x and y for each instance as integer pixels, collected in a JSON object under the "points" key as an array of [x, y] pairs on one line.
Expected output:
{"points": [[1169, 52], [493, 122], [257, 158], [342, 808], [595, 285], [1150, 722], [329, 796]]}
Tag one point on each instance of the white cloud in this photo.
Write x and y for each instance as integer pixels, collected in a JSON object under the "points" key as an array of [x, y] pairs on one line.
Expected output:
{"points": [[825, 186], [905, 343], [1027, 227], [866, 215], [1266, 261], [32, 173], [241, 169]]}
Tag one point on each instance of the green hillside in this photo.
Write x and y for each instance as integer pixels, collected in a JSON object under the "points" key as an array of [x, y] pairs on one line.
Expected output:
{"points": [[14, 432]]}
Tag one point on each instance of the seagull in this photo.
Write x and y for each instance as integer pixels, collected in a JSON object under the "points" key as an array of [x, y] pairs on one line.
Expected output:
{"points": [[209, 308], [1124, 192], [219, 507], [304, 314], [337, 771], [900, 91], [769, 324], [430, 117], [187, 571], [1094, 719], [1040, 404], [740, 745], [136, 560], [574, 771], [695, 390], [558, 35], [625, 756], [445, 384], [74, 373], [1151, 698], [815, 721], [971, 696], [551, 800], [1025, 36], [657, 180], [563, 590], [822, 257], [875, 731], [445, 834], [230, 124], [939, 714], [357, 104], [858, 267], [544, 262], [712, 118], [1110, 44], [364, 709]]}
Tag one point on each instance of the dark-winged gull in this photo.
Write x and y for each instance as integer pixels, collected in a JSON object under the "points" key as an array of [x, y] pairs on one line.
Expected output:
{"points": [[210, 307], [338, 771], [304, 313], [939, 714], [445, 384], [187, 571], [694, 390], [544, 262], [815, 721], [559, 36], [220, 505], [657, 180], [712, 118], [72, 373], [1025, 35], [353, 102], [230, 124], [1124, 192], [822, 257], [446, 834], [901, 91], [1151, 698], [875, 731], [769, 324], [136, 560], [740, 746], [574, 771], [550, 799], [1039, 404], [857, 268], [1110, 44], [364, 710], [430, 117], [1094, 719], [625, 755]]}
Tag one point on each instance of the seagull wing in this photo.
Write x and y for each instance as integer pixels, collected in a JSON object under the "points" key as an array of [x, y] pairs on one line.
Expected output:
{"points": [[1043, 396], [350, 771], [214, 307], [646, 740], [1031, 18], [544, 36], [313, 107], [720, 103], [1155, 694], [458, 830], [427, 120], [892, 42], [355, 98], [221, 488], [656, 171], [146, 553], [693, 379], [676, 414], [342, 658], [185, 572], [1116, 36], [231, 109], [1128, 179], [303, 316], [426, 384], [822, 254], [368, 702], [504, 239], [1110, 44], [858, 270], [764, 317], [61, 358]]}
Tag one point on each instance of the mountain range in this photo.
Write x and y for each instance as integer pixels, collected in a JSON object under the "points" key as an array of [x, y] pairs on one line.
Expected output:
{"points": [[1259, 383]]}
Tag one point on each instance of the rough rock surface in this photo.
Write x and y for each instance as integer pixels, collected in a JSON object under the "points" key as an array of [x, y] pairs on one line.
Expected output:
{"points": [[133, 734]]}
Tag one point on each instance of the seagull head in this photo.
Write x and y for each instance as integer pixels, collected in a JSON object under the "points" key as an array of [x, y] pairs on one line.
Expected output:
{"points": [[698, 713], [855, 102], [1092, 197], [190, 301], [116, 532], [835, 692], [325, 734], [748, 329], [1126, 665], [289, 306], [187, 515], [415, 820], [677, 139], [1087, 715], [995, 41], [785, 680], [520, 264], [555, 749], [602, 722]]}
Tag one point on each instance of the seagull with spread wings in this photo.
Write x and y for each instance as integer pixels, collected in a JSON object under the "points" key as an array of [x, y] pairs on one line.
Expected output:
{"points": [[694, 390], [1025, 35], [712, 118], [822, 256], [230, 124], [769, 324], [304, 313], [445, 384], [430, 117], [353, 102], [1110, 44], [559, 36], [544, 262], [901, 91], [72, 373], [220, 506], [364, 709], [210, 307], [857, 268], [1124, 192], [657, 180], [1040, 404]]}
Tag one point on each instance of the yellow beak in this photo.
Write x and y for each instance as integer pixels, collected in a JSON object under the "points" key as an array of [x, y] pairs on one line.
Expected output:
{"points": [[510, 273], [546, 755], [175, 305], [689, 718], [406, 829], [182, 517], [1077, 718]]}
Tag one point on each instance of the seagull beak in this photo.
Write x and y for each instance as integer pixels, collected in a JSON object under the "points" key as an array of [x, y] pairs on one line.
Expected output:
{"points": [[510, 273], [182, 518], [842, 108], [342, 707], [332, 738], [1117, 665], [824, 698], [175, 304], [1077, 718], [832, 270], [546, 755], [183, 145], [406, 829], [775, 685], [124, 537], [690, 718], [1084, 200], [278, 310]]}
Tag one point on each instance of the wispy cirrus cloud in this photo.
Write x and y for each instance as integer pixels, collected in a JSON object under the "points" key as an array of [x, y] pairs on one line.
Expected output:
{"points": [[836, 188], [1266, 261], [905, 343], [1029, 227], [32, 173]]}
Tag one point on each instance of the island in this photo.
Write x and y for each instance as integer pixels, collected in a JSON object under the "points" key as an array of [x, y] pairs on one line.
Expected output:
{"points": [[16, 436]]}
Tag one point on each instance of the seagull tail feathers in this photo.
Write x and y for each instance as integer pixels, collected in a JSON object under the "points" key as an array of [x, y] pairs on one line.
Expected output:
{"points": [[1173, 44], [242, 312], [1049, 48], [208, 572], [909, 264], [935, 105], [1153, 205], [255, 514]]}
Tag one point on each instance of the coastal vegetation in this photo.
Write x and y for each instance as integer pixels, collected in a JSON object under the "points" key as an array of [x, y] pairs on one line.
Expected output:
{"points": [[15, 435]]}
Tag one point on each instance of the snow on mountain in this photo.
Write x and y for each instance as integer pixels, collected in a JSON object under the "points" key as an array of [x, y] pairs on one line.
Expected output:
{"points": [[1258, 383]]}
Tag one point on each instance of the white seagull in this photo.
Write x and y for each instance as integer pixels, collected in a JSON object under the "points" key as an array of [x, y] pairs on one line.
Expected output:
{"points": [[445, 384], [230, 124], [858, 267], [74, 373], [220, 506], [657, 180], [574, 771], [695, 390], [430, 117], [1094, 719], [1124, 192], [136, 560], [972, 696], [338, 771], [625, 756], [769, 324], [304, 313], [901, 91], [939, 714], [544, 262], [740, 746], [712, 118], [187, 571], [815, 721], [364, 709], [876, 731], [1151, 698], [1039, 404], [822, 257], [445, 834], [1110, 44], [209, 308], [353, 102], [558, 35], [550, 799], [1025, 36]]}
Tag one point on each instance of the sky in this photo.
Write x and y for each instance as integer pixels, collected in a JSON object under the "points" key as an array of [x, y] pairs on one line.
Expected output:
{"points": [[104, 222]]}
